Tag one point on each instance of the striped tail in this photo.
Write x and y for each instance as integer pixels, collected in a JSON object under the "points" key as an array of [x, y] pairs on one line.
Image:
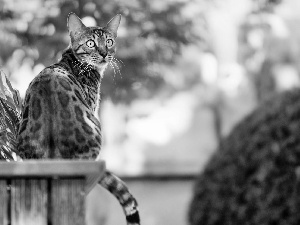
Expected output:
{"points": [[119, 189]]}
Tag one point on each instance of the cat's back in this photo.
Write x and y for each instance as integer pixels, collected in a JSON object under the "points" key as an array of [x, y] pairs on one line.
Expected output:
{"points": [[54, 121], [50, 93], [254, 177], [56, 77]]}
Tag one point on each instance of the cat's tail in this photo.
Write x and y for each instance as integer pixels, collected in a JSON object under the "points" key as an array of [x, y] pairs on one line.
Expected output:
{"points": [[119, 189]]}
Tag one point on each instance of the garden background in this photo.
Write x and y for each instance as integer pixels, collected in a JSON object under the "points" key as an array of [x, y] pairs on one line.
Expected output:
{"points": [[187, 72]]}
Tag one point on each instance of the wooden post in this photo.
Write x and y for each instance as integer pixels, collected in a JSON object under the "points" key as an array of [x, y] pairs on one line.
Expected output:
{"points": [[4, 202], [46, 192]]}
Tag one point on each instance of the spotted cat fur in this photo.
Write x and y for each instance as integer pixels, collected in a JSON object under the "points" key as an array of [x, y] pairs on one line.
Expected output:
{"points": [[59, 118]]}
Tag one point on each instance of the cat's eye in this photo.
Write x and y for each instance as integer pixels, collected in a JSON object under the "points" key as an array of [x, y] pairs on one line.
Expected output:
{"points": [[90, 43], [109, 42]]}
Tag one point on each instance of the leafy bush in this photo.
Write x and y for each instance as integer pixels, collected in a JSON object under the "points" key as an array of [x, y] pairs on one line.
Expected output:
{"points": [[10, 111]]}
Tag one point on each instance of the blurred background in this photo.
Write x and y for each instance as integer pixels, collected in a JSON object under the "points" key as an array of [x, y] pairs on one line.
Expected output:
{"points": [[187, 72]]}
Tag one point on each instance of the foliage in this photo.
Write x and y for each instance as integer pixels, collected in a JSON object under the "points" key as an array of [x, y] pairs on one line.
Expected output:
{"points": [[10, 110], [151, 34]]}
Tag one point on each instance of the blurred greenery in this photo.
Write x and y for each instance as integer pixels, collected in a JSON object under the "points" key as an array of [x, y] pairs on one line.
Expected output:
{"points": [[211, 62], [151, 34]]}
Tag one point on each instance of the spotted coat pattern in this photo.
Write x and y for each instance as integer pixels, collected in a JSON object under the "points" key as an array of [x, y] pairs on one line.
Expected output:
{"points": [[59, 114]]}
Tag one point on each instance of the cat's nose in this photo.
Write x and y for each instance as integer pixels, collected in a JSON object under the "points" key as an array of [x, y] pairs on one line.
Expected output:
{"points": [[103, 53]]}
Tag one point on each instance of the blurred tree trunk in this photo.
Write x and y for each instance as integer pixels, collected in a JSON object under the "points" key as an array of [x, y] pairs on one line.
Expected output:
{"points": [[216, 111], [264, 81], [223, 22]]}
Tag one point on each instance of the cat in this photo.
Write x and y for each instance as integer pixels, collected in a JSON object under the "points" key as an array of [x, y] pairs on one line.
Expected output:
{"points": [[254, 176], [59, 118]]}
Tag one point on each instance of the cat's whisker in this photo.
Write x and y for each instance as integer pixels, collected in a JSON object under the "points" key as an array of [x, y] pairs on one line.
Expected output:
{"points": [[79, 65], [119, 61], [117, 67], [83, 66], [110, 63]]}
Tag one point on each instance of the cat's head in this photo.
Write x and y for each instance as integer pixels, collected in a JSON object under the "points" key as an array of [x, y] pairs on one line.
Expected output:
{"points": [[95, 46]]}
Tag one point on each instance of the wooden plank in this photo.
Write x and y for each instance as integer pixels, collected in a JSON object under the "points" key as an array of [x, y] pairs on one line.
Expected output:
{"points": [[4, 202], [92, 180], [44, 168], [47, 192], [29, 202], [68, 202]]}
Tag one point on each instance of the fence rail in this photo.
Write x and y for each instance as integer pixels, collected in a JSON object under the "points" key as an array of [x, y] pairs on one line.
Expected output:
{"points": [[46, 192]]}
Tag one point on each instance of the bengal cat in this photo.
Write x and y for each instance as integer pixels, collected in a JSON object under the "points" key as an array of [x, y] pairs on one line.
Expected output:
{"points": [[59, 118]]}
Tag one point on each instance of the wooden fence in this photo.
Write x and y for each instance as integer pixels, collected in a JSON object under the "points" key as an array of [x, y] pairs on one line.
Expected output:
{"points": [[46, 192]]}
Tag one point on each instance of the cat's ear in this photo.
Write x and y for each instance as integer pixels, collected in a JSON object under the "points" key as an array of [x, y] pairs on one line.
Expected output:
{"points": [[75, 24], [113, 24]]}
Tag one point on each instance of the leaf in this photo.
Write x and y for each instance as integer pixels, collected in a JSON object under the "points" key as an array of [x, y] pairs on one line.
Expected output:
{"points": [[12, 141], [11, 117], [9, 94], [2, 123], [15, 93], [2, 93], [18, 101], [10, 110], [6, 152]]}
